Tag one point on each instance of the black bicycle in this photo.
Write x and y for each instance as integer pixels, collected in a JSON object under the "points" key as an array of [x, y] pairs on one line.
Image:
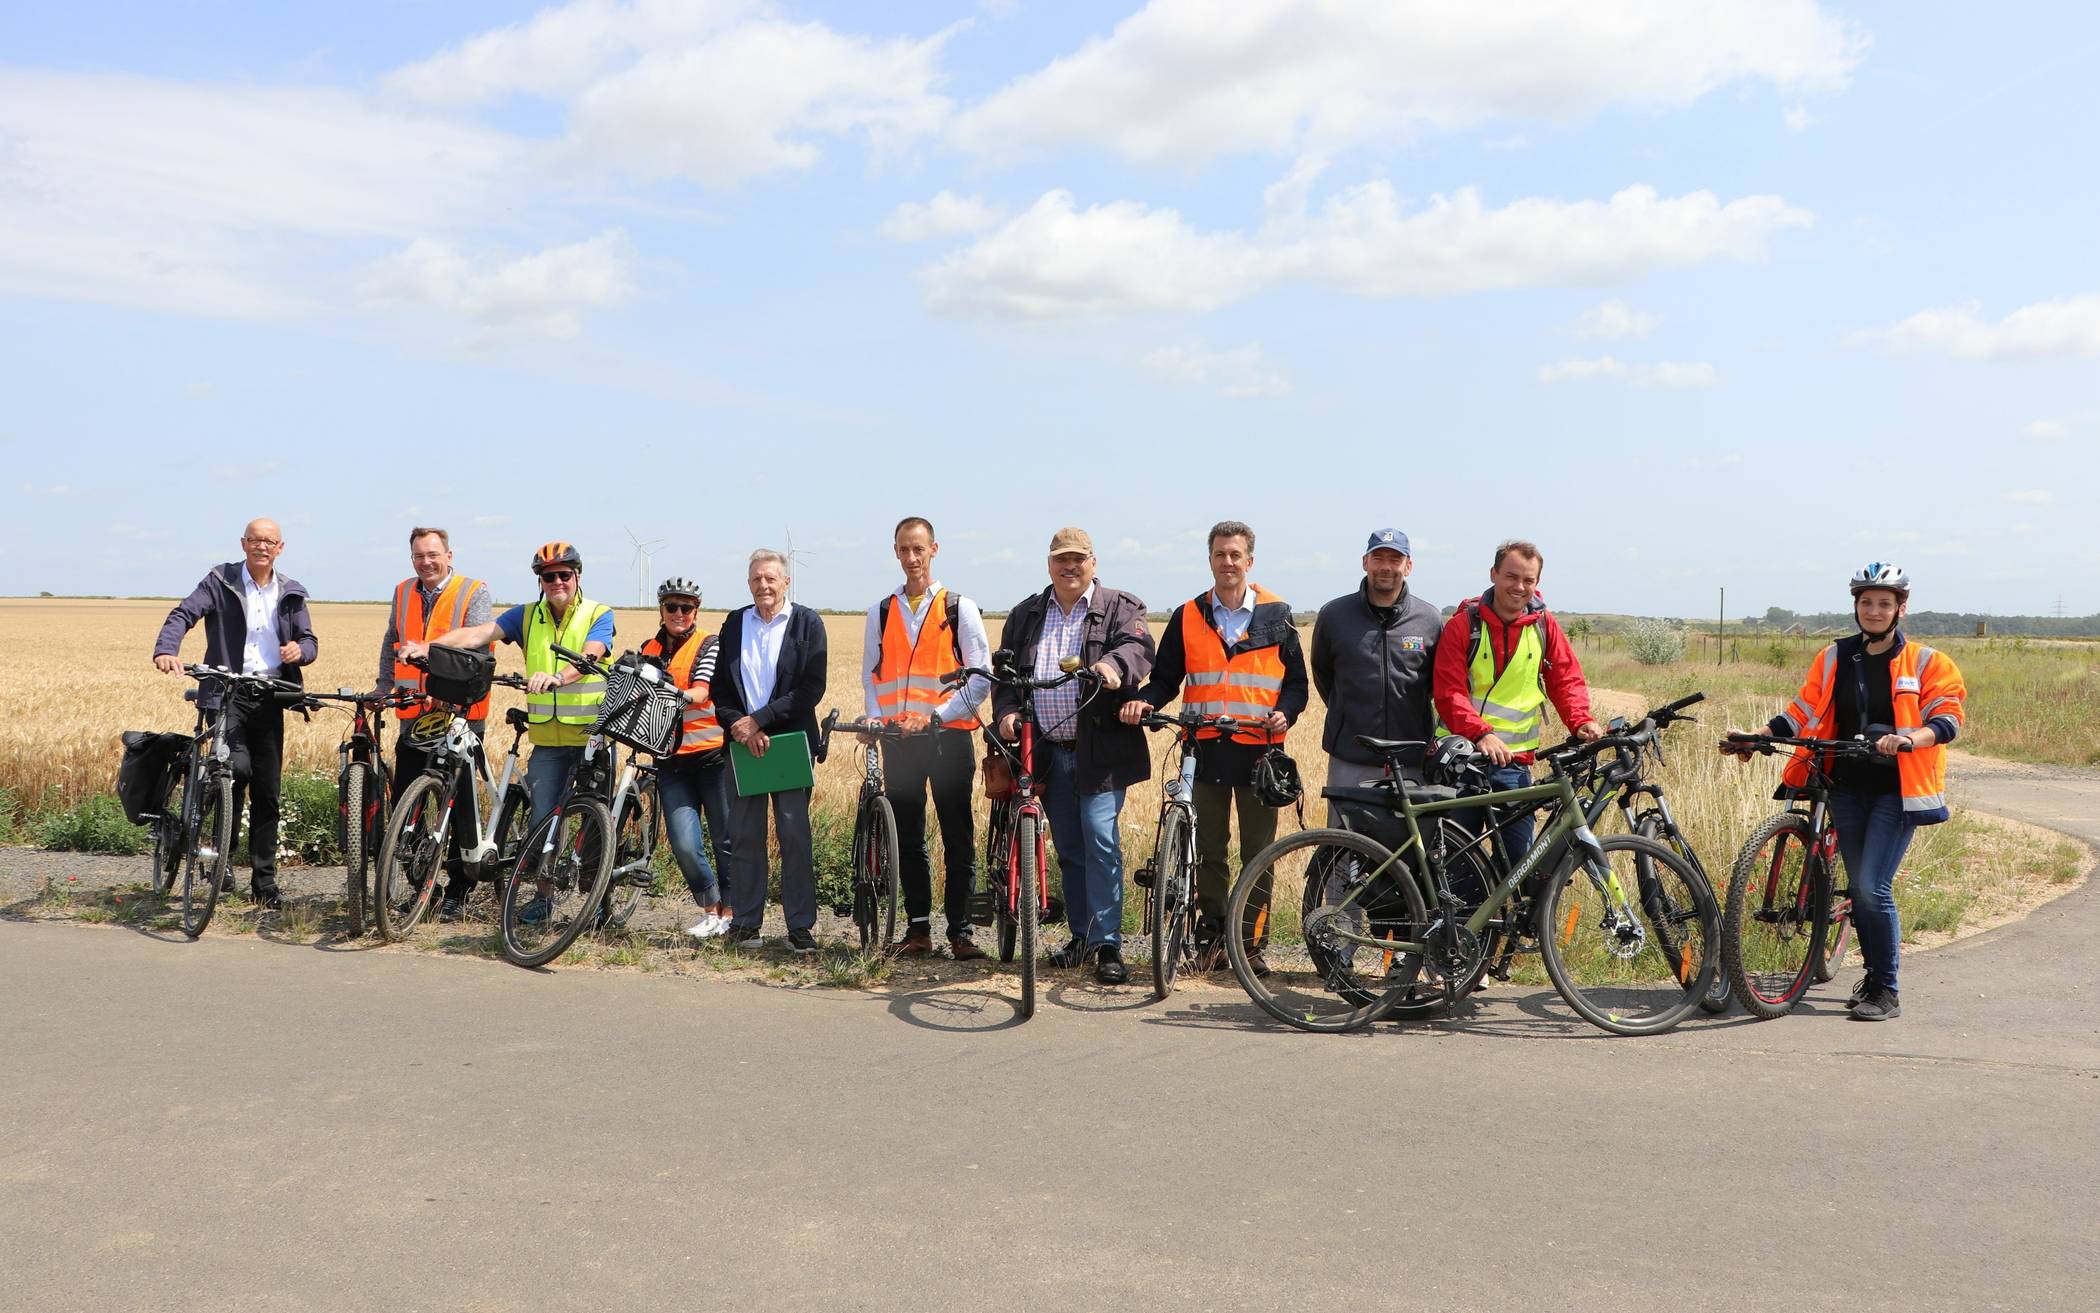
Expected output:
{"points": [[363, 784], [1169, 875], [875, 859]]}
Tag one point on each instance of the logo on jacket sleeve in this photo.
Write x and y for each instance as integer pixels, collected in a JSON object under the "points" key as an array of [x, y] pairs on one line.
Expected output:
{"points": [[1906, 683]]}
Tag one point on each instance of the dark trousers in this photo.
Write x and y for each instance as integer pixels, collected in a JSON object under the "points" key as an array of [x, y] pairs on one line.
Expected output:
{"points": [[947, 761], [409, 762], [255, 749], [748, 862], [1215, 804]]}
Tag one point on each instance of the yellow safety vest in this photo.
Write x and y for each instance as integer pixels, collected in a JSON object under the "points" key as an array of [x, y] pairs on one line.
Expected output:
{"points": [[561, 717]]}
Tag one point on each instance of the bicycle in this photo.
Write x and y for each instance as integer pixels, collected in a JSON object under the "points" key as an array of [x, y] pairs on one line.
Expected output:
{"points": [[1169, 875], [1641, 963], [196, 831], [590, 861], [1787, 924], [363, 783], [1017, 873], [418, 832], [875, 860]]}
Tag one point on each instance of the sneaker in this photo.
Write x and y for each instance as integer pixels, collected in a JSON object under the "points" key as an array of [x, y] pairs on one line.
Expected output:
{"points": [[708, 926], [1860, 991], [1880, 1005], [801, 941], [452, 909], [745, 938], [534, 912]]}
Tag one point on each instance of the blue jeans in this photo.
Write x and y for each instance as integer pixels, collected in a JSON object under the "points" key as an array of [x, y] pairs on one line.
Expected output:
{"points": [[1872, 837], [1513, 836], [1089, 848], [687, 791], [547, 774]]}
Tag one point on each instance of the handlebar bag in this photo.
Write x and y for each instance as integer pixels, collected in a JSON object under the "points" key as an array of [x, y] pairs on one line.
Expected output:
{"points": [[459, 676], [998, 776], [147, 772]]}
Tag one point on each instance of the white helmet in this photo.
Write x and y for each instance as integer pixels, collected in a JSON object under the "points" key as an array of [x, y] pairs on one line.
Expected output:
{"points": [[677, 586], [1881, 574]]}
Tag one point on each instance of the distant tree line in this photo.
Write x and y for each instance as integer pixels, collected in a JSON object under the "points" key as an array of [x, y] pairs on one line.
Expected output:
{"points": [[1943, 622]]}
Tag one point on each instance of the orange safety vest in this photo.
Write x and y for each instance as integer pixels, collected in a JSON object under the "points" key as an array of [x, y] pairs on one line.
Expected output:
{"points": [[1246, 683], [907, 673], [447, 610], [1925, 684], [703, 733]]}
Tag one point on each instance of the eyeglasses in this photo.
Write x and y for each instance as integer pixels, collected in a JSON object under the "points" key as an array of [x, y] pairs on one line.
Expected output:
{"points": [[680, 608], [557, 576], [263, 542]]}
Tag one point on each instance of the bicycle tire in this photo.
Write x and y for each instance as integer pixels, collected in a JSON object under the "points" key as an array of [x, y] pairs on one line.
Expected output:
{"points": [[513, 828], [1169, 902], [167, 837], [1771, 935], [1630, 979], [999, 874], [1651, 828], [350, 813], [875, 876], [1028, 907], [571, 852], [1315, 985], [1837, 938], [204, 864], [634, 840], [411, 856]]}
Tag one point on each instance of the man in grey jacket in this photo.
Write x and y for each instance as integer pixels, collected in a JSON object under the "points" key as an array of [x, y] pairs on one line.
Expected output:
{"points": [[1373, 652]]}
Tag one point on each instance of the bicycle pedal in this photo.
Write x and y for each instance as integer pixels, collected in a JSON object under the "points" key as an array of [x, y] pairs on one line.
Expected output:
{"points": [[1143, 876], [981, 909]]}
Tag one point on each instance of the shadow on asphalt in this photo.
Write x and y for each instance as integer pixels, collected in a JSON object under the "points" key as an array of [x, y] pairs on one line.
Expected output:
{"points": [[957, 1011]]}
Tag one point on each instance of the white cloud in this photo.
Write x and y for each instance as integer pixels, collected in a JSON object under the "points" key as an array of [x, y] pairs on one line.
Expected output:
{"points": [[2046, 430], [1184, 81], [537, 296], [1797, 118], [1056, 260], [2030, 497], [946, 215], [2063, 329], [1661, 374], [562, 50], [1616, 319], [1237, 372]]}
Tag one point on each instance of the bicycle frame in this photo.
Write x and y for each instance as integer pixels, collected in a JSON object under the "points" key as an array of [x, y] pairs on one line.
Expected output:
{"points": [[462, 749], [1026, 803]]}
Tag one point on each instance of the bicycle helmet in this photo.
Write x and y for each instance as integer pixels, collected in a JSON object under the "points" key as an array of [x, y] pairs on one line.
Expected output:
{"points": [[1276, 780], [677, 586], [557, 553], [1881, 574]]}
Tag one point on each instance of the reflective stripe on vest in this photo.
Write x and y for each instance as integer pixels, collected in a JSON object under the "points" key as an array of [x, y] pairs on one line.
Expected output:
{"points": [[1513, 704], [447, 611], [1246, 684], [703, 733], [561, 716], [908, 672]]}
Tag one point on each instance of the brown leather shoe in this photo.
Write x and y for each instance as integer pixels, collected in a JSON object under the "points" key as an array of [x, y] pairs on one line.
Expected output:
{"points": [[917, 942], [963, 949]]}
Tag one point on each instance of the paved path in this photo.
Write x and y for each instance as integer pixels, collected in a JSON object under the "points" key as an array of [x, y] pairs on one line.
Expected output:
{"points": [[245, 1124]]}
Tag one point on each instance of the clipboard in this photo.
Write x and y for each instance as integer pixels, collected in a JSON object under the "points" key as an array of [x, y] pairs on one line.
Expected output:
{"points": [[786, 765]]}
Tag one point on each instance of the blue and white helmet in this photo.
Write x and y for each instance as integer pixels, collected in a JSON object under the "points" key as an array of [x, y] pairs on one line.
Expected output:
{"points": [[1881, 574]]}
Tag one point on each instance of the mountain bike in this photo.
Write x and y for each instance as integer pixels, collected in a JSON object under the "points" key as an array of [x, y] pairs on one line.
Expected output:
{"points": [[194, 832], [411, 870], [1017, 874], [1169, 875], [1787, 922], [1629, 957], [875, 859], [363, 784]]}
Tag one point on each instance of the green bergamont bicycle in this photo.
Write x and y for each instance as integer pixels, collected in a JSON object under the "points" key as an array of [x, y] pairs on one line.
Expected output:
{"points": [[1628, 929]]}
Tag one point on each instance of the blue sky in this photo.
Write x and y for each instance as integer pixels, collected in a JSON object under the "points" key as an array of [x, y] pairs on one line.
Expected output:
{"points": [[1695, 294]]}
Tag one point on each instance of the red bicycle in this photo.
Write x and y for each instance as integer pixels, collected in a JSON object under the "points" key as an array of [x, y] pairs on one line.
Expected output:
{"points": [[1017, 871]]}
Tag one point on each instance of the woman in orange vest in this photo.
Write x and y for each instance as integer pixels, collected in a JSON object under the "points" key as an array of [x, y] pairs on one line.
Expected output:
{"points": [[1910, 700], [695, 779]]}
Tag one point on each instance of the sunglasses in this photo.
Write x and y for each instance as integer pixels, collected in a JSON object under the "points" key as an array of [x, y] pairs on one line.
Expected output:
{"points": [[680, 608], [558, 576]]}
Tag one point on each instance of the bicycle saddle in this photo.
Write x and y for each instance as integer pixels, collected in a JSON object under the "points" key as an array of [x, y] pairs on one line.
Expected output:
{"points": [[1390, 746], [1373, 795], [513, 717]]}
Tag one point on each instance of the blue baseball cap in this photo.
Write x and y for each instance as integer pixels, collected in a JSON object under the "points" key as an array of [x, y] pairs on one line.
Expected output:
{"points": [[1387, 540]]}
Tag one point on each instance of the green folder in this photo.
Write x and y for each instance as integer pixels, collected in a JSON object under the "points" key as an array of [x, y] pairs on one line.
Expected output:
{"points": [[786, 765]]}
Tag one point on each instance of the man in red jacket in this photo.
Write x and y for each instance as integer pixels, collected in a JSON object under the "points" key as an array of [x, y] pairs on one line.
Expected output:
{"points": [[1501, 658]]}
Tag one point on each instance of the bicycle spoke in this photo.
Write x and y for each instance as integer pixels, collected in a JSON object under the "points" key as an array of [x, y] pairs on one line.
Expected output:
{"points": [[1772, 924], [558, 883], [1629, 959]]}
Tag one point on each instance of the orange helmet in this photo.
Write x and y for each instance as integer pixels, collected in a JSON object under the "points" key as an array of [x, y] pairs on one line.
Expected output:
{"points": [[557, 553]]}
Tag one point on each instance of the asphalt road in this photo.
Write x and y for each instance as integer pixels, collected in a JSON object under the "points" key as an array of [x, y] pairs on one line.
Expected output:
{"points": [[239, 1123]]}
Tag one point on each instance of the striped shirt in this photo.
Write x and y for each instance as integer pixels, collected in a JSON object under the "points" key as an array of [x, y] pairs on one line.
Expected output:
{"points": [[1057, 709]]}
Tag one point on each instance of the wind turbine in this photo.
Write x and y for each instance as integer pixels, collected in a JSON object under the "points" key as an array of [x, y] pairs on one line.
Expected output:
{"points": [[643, 597]]}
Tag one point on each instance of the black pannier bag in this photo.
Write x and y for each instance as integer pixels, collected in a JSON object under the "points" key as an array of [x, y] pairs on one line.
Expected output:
{"points": [[643, 708], [459, 676], [147, 771]]}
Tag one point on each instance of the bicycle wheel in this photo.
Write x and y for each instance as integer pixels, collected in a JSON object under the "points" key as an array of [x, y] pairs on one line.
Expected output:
{"points": [[1168, 907], [350, 830], [1303, 894], [1629, 962], [1471, 876], [998, 875], [1837, 939], [167, 837], [411, 856], [1028, 867], [875, 875], [558, 883], [1652, 829], [209, 852], [634, 856], [1772, 933]]}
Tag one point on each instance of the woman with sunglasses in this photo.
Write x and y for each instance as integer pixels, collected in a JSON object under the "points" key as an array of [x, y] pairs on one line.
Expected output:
{"points": [[695, 779]]}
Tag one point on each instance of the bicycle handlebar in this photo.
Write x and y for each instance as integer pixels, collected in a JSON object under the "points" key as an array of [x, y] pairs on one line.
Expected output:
{"points": [[1188, 722], [582, 662], [1767, 744], [873, 729], [955, 678]]}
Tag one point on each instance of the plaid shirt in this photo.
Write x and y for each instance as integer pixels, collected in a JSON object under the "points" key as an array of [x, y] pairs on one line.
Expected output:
{"points": [[1057, 709]]}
